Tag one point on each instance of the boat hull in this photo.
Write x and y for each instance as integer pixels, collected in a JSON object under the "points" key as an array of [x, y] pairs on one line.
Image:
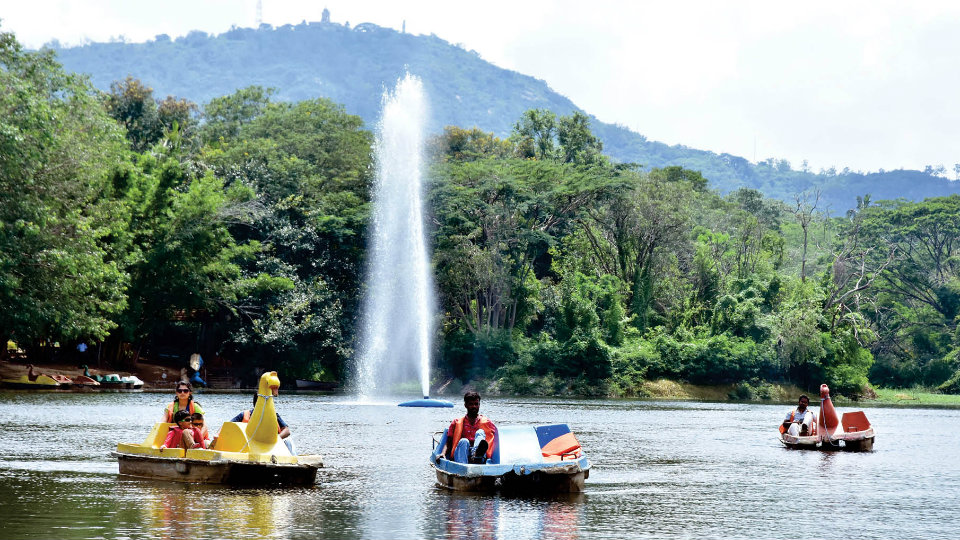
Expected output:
{"points": [[42, 382], [811, 442], [860, 441], [303, 384], [564, 477], [217, 472]]}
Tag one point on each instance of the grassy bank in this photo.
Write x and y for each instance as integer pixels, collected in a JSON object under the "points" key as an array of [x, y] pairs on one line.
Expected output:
{"points": [[914, 396], [675, 390]]}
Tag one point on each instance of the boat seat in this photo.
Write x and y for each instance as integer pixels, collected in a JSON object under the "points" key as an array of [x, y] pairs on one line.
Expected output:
{"points": [[854, 421], [519, 444], [157, 435], [558, 443]]}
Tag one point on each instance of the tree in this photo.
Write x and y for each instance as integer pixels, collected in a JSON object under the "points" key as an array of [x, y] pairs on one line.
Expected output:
{"points": [[804, 212], [635, 229], [179, 115], [309, 165], [534, 134], [131, 103], [226, 115], [59, 151], [917, 303], [577, 144]]}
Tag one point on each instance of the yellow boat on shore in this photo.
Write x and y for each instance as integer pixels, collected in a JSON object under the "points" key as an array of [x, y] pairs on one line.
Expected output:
{"points": [[23, 382], [244, 453]]}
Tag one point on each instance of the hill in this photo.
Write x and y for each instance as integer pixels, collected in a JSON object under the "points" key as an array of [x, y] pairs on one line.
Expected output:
{"points": [[352, 66]]}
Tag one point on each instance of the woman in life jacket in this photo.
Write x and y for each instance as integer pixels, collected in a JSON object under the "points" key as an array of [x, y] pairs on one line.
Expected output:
{"points": [[182, 401]]}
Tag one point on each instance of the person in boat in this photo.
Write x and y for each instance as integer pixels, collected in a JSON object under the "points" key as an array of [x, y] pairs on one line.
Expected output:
{"points": [[198, 422], [475, 434], [184, 435], [182, 401], [283, 430], [799, 422]]}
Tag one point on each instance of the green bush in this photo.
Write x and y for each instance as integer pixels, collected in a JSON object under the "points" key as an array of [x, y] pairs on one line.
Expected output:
{"points": [[584, 353], [472, 356], [952, 385]]}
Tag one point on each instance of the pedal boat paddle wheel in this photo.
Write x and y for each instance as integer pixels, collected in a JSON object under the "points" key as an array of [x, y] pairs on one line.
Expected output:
{"points": [[244, 453], [851, 432], [542, 460]]}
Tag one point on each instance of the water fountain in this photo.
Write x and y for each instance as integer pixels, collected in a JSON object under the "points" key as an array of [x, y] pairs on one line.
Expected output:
{"points": [[398, 309]]}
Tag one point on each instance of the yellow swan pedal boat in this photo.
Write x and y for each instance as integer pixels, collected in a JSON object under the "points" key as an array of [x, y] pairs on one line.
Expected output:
{"points": [[41, 382], [244, 453]]}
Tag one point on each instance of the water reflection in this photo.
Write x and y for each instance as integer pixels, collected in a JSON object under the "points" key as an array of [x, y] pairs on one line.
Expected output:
{"points": [[656, 474], [175, 512], [495, 517]]}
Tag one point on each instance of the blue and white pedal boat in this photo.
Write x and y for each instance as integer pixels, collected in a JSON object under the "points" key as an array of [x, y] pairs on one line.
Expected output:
{"points": [[539, 459]]}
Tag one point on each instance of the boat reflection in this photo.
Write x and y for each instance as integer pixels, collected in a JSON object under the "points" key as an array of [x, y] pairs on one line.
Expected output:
{"points": [[177, 512], [498, 517]]}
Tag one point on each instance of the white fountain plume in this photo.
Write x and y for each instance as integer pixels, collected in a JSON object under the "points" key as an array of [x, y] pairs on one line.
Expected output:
{"points": [[399, 302]]}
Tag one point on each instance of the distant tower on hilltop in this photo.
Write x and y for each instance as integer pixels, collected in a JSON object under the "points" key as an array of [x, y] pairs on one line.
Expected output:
{"points": [[403, 29], [325, 17], [259, 13]]}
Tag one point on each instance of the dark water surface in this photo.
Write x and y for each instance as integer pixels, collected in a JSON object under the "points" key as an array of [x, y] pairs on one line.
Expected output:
{"points": [[660, 470]]}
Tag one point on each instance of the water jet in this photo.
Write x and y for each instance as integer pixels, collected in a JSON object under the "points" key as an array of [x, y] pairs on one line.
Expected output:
{"points": [[399, 305]]}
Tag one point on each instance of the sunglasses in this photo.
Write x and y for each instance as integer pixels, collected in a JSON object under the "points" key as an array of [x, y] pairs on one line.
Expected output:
{"points": [[198, 423], [183, 390]]}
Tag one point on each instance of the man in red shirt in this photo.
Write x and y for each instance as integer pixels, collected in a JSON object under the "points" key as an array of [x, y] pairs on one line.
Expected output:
{"points": [[475, 434]]}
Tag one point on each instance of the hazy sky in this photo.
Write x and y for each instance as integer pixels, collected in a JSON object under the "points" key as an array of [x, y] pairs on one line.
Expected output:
{"points": [[859, 84]]}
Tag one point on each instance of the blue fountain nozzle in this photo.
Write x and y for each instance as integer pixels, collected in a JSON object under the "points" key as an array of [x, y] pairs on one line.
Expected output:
{"points": [[426, 402]]}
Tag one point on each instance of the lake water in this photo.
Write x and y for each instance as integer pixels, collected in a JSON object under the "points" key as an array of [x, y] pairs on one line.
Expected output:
{"points": [[660, 470]]}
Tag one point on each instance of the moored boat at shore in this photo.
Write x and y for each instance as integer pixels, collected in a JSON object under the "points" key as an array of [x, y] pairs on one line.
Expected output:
{"points": [[24, 382], [82, 381], [851, 431], [533, 459], [244, 453], [303, 384]]}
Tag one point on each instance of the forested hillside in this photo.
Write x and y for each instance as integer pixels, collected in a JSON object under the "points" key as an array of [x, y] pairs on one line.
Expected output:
{"points": [[352, 66], [239, 229]]}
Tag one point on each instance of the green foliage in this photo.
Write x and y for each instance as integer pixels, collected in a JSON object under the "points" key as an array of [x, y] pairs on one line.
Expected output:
{"points": [[59, 278], [225, 115], [952, 385], [308, 166], [147, 120], [558, 271], [470, 356]]}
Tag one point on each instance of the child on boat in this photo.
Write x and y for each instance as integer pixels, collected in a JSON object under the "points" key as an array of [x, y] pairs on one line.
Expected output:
{"points": [[183, 435], [198, 422]]}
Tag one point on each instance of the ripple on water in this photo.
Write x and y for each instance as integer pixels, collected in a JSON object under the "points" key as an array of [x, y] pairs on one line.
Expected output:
{"points": [[660, 470]]}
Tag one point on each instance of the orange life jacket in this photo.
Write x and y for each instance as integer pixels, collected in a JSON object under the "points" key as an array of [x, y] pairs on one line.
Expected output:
{"points": [[793, 418], [170, 411], [484, 423]]}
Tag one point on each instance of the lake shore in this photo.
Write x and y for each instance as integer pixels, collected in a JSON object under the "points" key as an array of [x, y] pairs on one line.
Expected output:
{"points": [[152, 375], [901, 397]]}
